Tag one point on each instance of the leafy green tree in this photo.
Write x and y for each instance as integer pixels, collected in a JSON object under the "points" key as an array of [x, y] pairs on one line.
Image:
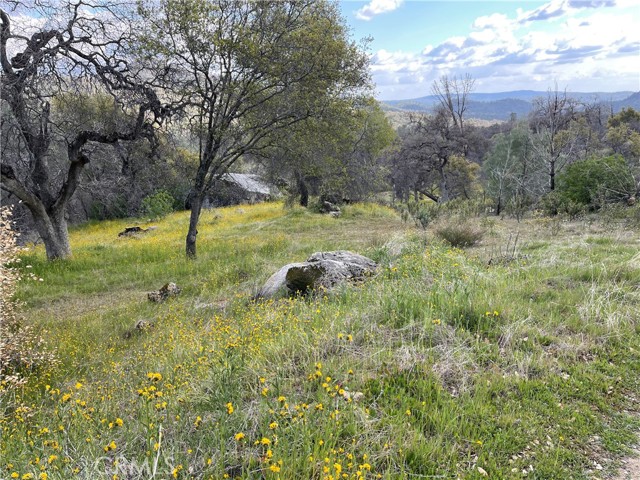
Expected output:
{"points": [[623, 133], [338, 155], [597, 181], [244, 70]]}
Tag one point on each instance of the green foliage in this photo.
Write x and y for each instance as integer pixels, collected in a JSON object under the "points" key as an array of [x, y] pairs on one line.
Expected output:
{"points": [[157, 205], [422, 213], [596, 182], [627, 116]]}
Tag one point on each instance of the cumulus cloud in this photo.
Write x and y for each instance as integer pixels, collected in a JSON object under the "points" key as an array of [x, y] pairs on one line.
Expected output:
{"points": [[553, 9], [558, 8], [584, 45], [376, 7], [591, 3]]}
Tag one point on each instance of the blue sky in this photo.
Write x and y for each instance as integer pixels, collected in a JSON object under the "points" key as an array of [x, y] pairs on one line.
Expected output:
{"points": [[580, 45]]}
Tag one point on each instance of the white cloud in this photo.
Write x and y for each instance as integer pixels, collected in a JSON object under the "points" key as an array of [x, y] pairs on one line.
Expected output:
{"points": [[584, 47], [376, 7]]}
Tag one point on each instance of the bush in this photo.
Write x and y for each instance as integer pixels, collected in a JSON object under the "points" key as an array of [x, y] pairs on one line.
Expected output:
{"points": [[422, 213], [460, 235], [596, 182], [556, 203], [157, 205], [21, 350]]}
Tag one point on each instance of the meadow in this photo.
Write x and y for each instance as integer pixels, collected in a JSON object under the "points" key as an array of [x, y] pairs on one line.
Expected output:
{"points": [[516, 358]]}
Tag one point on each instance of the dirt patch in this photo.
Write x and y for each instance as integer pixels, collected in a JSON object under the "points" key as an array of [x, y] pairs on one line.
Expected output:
{"points": [[630, 469]]}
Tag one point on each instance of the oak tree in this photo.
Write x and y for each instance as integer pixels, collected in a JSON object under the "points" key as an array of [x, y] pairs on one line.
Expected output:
{"points": [[75, 46], [243, 70]]}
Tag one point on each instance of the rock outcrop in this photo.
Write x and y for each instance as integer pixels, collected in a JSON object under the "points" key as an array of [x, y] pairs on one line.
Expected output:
{"points": [[168, 290], [133, 231], [321, 270]]}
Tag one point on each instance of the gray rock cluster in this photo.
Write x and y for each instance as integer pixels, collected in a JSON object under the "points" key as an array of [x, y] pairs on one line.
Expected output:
{"points": [[168, 290]]}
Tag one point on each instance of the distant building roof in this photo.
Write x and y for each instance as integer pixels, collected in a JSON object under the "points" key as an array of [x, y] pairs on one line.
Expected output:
{"points": [[248, 182]]}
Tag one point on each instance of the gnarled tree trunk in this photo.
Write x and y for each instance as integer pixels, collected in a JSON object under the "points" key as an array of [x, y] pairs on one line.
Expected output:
{"points": [[54, 233]]}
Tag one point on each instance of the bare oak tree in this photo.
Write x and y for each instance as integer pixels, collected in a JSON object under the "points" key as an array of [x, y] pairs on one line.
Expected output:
{"points": [[77, 46], [430, 143], [551, 116], [453, 96]]}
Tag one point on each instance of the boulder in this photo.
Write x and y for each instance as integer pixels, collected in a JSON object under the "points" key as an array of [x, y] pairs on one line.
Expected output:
{"points": [[132, 231], [321, 270], [276, 285], [168, 290], [330, 208]]}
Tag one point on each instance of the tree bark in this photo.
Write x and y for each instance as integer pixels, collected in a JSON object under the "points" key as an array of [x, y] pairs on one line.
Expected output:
{"points": [[444, 187], [54, 233], [192, 234], [50, 222]]}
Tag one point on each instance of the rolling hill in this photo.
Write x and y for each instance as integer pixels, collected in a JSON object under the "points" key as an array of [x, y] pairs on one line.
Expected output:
{"points": [[500, 106]]}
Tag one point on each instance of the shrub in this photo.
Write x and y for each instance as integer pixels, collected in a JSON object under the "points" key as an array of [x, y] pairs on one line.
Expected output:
{"points": [[596, 182], [21, 350], [460, 235], [157, 205], [422, 213]]}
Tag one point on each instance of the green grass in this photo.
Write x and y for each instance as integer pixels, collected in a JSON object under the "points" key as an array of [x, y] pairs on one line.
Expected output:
{"points": [[441, 366]]}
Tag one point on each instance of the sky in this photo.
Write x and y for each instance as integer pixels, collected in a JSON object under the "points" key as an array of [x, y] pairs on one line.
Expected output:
{"points": [[577, 45]]}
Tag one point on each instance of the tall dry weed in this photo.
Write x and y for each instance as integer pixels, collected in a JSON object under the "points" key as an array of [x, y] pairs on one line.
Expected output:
{"points": [[22, 350]]}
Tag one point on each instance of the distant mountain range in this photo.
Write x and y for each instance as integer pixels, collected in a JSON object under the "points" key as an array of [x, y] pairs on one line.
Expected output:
{"points": [[500, 106]]}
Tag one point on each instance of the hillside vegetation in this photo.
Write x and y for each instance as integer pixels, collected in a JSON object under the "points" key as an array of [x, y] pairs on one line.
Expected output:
{"points": [[501, 105], [518, 357]]}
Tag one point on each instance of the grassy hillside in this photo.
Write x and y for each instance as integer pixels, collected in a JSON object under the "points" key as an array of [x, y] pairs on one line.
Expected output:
{"points": [[490, 362]]}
